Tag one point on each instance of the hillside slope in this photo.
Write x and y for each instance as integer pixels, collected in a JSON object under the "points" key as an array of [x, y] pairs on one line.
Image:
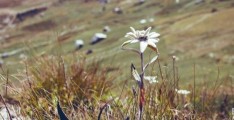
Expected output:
{"points": [[200, 33]]}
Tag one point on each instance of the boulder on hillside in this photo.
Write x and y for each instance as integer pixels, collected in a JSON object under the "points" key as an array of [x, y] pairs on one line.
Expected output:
{"points": [[97, 38], [117, 10], [143, 21], [4, 55], [106, 29], [79, 44]]}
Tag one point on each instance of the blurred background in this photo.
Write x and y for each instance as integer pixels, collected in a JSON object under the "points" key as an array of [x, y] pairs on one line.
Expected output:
{"points": [[197, 32]]}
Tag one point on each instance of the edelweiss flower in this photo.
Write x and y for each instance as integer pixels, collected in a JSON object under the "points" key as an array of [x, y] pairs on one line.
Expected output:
{"points": [[151, 79], [183, 92], [145, 37]]}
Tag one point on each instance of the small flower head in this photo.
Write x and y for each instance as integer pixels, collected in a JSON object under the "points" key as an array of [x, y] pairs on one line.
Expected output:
{"points": [[145, 37], [183, 92], [175, 58], [151, 79]]}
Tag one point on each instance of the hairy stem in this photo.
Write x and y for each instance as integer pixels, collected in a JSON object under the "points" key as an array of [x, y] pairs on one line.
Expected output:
{"points": [[142, 69], [142, 97]]}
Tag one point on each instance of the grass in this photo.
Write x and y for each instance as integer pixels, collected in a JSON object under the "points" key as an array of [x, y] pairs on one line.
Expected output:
{"points": [[84, 90], [170, 25], [190, 33], [51, 79]]}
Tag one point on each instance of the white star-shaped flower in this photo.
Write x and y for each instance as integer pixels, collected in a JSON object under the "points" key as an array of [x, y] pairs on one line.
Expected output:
{"points": [[183, 92], [144, 37]]}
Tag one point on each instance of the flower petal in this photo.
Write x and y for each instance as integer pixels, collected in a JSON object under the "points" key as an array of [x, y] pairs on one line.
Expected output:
{"points": [[128, 34], [134, 41], [152, 44], [131, 34], [133, 30], [130, 37], [142, 33], [143, 46], [154, 34], [148, 30], [153, 40], [125, 43]]}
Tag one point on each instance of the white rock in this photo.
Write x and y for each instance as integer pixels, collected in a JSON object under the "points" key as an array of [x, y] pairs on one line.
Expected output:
{"points": [[118, 10], [211, 55], [177, 1], [151, 20], [79, 44], [106, 29], [5, 116], [143, 21], [101, 35], [98, 37], [23, 56], [4, 55]]}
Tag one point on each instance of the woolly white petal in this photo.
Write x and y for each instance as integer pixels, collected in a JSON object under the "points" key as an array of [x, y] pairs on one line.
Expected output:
{"points": [[133, 30], [125, 43], [143, 46], [134, 41], [147, 31], [154, 40], [131, 37], [152, 44], [154, 35], [142, 33], [131, 34]]}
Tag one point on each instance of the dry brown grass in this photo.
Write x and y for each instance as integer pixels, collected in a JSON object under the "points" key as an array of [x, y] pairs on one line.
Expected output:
{"points": [[84, 90], [50, 79]]}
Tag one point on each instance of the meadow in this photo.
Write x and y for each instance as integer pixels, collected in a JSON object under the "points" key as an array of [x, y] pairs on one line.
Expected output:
{"points": [[46, 69]]}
